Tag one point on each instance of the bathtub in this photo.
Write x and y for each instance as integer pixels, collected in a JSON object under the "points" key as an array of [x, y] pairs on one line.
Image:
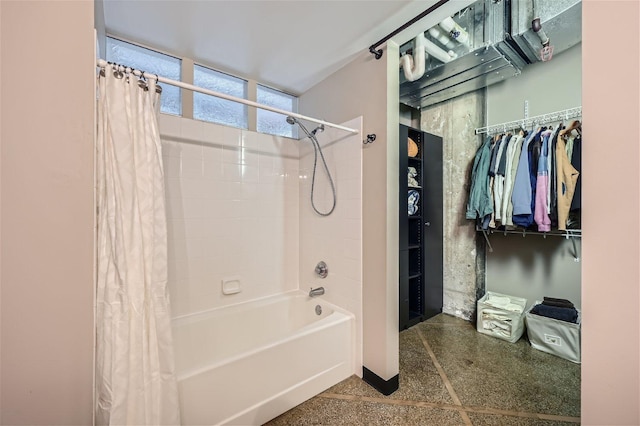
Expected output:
{"points": [[248, 363]]}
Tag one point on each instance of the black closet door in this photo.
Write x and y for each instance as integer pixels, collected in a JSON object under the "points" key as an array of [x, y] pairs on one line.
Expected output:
{"points": [[433, 224], [403, 255]]}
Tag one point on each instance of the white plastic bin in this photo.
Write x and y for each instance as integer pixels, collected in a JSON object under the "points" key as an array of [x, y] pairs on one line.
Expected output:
{"points": [[501, 316], [560, 338]]}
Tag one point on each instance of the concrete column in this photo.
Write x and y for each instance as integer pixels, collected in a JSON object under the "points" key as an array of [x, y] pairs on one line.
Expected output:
{"points": [[455, 121]]}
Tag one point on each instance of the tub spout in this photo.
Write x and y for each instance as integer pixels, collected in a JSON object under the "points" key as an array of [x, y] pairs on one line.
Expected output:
{"points": [[316, 292]]}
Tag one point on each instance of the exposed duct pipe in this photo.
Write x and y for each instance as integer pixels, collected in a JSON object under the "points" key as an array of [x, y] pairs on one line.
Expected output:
{"points": [[414, 68]]}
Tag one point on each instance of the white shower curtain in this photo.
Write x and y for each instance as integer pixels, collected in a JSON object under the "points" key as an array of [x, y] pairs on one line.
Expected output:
{"points": [[135, 377]]}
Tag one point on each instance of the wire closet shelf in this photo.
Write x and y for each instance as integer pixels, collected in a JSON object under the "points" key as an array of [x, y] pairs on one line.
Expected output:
{"points": [[101, 63], [528, 122]]}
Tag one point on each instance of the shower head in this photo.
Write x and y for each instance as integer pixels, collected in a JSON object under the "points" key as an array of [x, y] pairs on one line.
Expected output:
{"points": [[291, 120]]}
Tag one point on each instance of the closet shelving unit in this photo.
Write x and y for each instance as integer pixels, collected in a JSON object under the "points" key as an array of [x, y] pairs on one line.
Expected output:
{"points": [[420, 231], [411, 237], [529, 122]]}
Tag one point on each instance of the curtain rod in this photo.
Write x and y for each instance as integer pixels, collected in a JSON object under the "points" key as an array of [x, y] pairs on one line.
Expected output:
{"points": [[102, 63], [565, 114], [378, 52]]}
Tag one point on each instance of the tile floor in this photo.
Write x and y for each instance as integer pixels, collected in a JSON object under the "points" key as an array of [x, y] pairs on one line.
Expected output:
{"points": [[452, 375]]}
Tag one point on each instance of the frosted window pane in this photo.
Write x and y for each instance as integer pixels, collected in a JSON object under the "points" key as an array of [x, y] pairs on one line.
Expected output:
{"points": [[153, 62], [211, 108], [271, 122]]}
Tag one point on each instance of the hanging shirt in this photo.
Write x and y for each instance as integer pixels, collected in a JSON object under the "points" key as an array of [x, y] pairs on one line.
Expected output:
{"points": [[498, 183], [480, 204], [523, 188], [548, 157], [513, 156], [553, 180], [576, 162], [494, 154], [567, 179], [541, 216]]}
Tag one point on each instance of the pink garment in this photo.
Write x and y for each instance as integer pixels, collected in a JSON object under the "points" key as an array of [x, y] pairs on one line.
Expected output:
{"points": [[540, 214]]}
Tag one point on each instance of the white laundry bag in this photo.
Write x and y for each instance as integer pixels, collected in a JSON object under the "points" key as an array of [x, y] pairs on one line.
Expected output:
{"points": [[501, 316], [560, 338]]}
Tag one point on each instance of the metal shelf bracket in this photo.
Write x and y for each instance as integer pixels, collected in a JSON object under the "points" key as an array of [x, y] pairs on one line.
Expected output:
{"points": [[486, 238]]}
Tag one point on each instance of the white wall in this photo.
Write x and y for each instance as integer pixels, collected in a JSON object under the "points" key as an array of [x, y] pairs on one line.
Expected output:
{"points": [[46, 300], [232, 211], [335, 239], [362, 88], [534, 267]]}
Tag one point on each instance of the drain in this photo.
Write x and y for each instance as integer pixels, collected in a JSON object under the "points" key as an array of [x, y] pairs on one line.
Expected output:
{"points": [[318, 310]]}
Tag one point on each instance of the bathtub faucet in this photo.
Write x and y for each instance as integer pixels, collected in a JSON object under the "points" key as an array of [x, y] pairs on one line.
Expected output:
{"points": [[316, 292]]}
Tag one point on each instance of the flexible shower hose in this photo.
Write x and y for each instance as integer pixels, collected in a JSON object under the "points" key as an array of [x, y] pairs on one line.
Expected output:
{"points": [[316, 149]]}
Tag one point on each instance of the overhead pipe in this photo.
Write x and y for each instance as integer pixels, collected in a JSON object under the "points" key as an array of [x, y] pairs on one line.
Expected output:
{"points": [[414, 68], [442, 37], [546, 53], [536, 26], [455, 31], [437, 52]]}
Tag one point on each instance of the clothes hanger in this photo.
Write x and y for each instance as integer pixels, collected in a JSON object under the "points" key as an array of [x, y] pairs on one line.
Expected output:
{"points": [[575, 125], [579, 128]]}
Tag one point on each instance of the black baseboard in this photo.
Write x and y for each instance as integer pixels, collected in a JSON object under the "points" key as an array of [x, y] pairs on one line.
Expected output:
{"points": [[385, 387]]}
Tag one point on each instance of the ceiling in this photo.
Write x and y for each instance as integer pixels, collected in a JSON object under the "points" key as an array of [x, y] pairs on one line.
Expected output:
{"points": [[289, 45]]}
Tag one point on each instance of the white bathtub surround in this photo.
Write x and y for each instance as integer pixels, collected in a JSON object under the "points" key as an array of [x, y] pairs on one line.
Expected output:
{"points": [[334, 239], [240, 218], [239, 205], [248, 363], [135, 383], [232, 202]]}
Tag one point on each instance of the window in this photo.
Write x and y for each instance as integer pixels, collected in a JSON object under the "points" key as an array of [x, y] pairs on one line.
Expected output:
{"points": [[153, 62], [217, 110], [206, 107], [271, 122]]}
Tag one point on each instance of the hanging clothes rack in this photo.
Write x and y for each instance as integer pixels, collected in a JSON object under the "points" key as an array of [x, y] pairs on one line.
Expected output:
{"points": [[528, 122], [101, 63]]}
